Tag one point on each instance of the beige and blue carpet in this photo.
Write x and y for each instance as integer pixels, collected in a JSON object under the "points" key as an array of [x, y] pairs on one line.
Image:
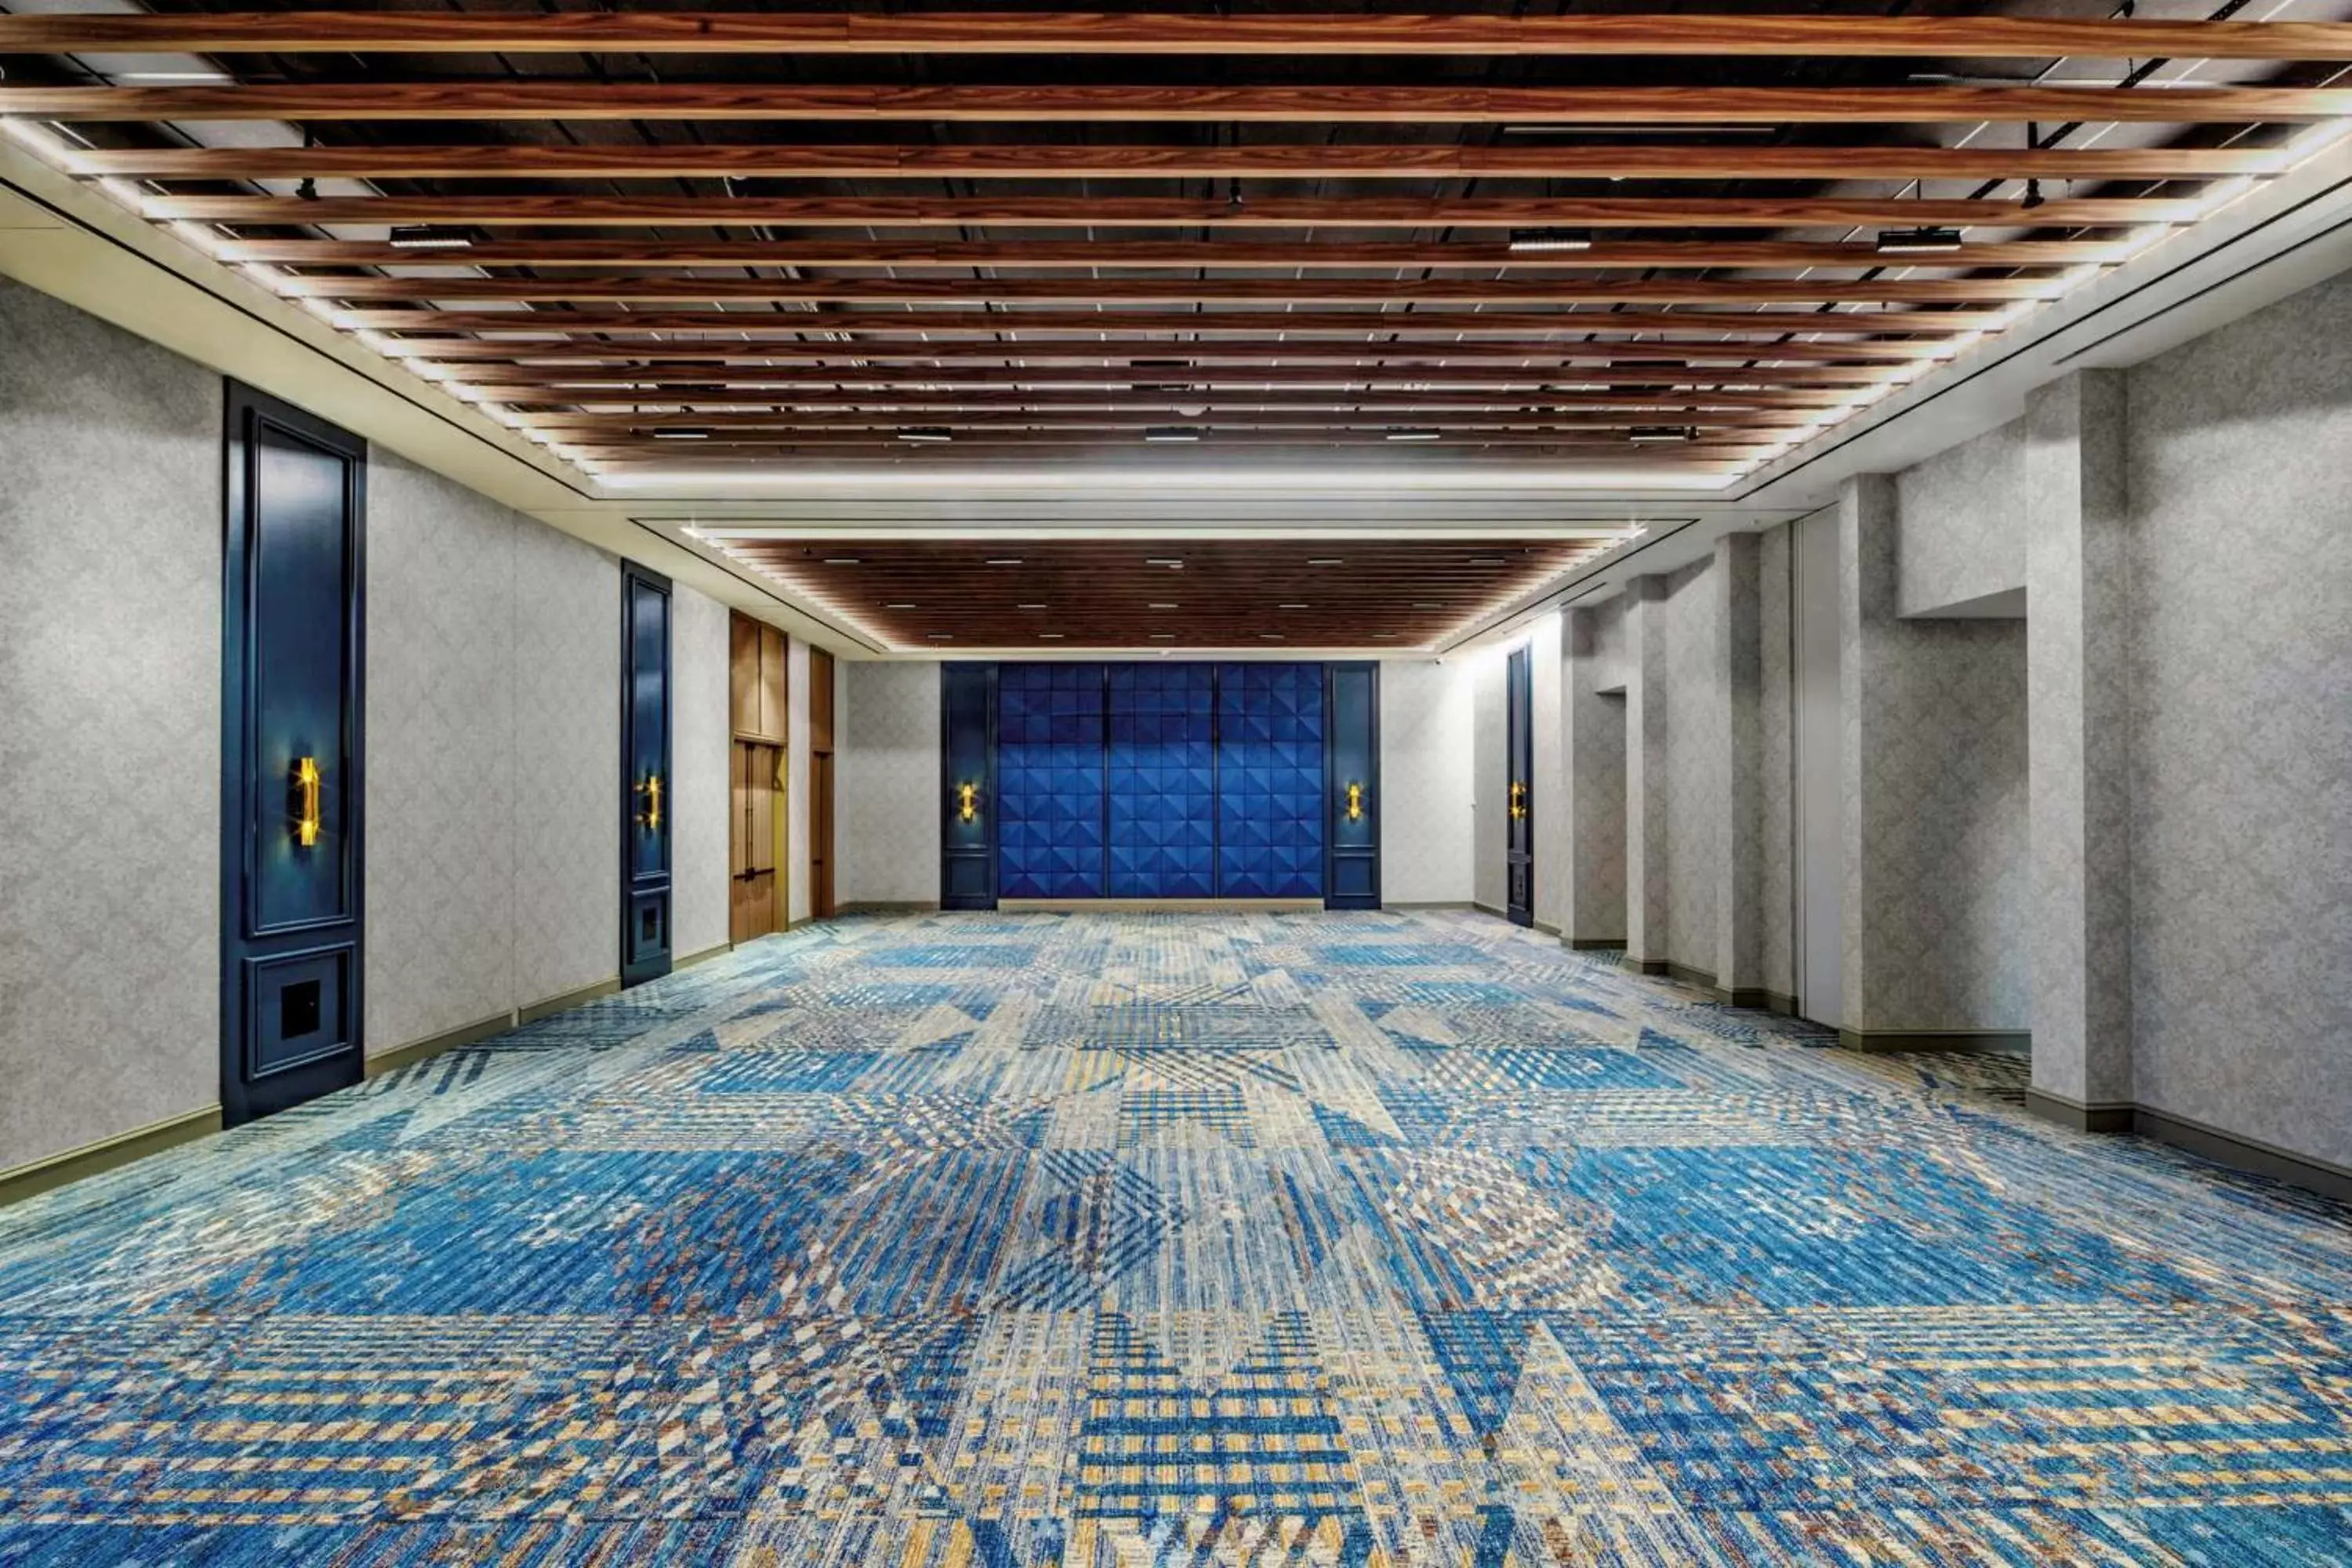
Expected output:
{"points": [[1106, 1242]]}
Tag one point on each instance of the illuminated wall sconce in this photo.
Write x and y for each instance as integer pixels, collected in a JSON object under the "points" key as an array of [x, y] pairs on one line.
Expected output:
{"points": [[1355, 802], [306, 803], [967, 802], [652, 790], [1518, 800]]}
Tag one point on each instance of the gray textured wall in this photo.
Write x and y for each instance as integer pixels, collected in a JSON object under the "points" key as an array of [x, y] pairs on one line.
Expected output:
{"points": [[493, 702], [1595, 767], [1961, 530], [1775, 777], [890, 784], [109, 731], [1696, 737], [1936, 818], [702, 748], [1426, 766], [1550, 797], [1491, 790], [2241, 720]]}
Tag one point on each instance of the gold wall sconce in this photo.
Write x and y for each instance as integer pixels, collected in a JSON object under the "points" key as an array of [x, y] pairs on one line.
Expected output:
{"points": [[307, 818], [1518, 800], [967, 802], [652, 790], [1355, 802]]}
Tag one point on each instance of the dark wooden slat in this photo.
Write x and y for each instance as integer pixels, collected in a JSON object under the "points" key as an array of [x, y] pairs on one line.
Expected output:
{"points": [[1393, 354], [1292, 435], [1081, 212], [1140, 104], [966, 323], [1289, 163], [1094, 33], [1159, 291], [820, 251], [655, 409], [1233, 415]]}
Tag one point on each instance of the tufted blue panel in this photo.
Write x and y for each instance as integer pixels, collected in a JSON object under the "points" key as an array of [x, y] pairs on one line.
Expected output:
{"points": [[1162, 800], [1049, 762], [1270, 781]]}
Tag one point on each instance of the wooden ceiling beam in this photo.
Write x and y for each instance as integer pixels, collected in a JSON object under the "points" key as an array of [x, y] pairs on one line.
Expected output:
{"points": [[514, 384], [1171, 212], [1341, 415], [1762, 408], [1300, 162], [699, 452], [829, 252], [1172, 291], [1122, 353], [1705, 106], [1094, 33], [1420, 324]]}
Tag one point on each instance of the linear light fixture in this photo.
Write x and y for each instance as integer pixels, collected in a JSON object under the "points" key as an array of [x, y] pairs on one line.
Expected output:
{"points": [[1411, 435], [680, 433], [1324, 560], [1542, 239], [431, 236], [843, 560], [1159, 433], [926, 434], [1933, 240], [1004, 560]]}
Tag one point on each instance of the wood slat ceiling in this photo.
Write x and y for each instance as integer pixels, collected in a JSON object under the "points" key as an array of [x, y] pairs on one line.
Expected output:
{"points": [[949, 595], [770, 235]]}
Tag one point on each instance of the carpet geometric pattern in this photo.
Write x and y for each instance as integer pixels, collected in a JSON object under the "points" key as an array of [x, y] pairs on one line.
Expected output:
{"points": [[1106, 1241]]}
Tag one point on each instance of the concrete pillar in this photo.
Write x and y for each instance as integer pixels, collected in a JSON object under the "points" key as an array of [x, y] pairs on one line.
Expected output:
{"points": [[1646, 937], [1739, 805], [1593, 763], [1866, 603], [2076, 514]]}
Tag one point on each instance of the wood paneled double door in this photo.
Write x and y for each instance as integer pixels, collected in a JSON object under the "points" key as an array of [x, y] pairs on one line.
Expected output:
{"points": [[760, 689]]}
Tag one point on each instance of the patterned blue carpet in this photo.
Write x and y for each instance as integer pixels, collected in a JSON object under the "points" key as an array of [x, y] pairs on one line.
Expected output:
{"points": [[1109, 1241]]}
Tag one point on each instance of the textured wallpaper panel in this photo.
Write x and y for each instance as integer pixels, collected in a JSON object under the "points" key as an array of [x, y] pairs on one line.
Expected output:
{"points": [[1776, 731], [890, 783], [1049, 768], [567, 743], [1961, 523], [1596, 771], [701, 749], [1426, 764], [2240, 664], [441, 760], [109, 731], [1162, 793], [1269, 781], [1698, 737]]}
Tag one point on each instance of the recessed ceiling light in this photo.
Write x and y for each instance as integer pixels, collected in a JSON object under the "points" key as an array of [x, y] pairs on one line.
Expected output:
{"points": [[1163, 635], [926, 434], [1050, 637], [1324, 560], [1486, 561], [844, 561], [1930, 241], [1531, 239], [940, 636], [1161, 604], [1004, 560], [1411, 435], [1028, 607], [680, 433], [1271, 637], [1173, 562], [899, 605], [1384, 635], [1170, 432], [1290, 607]]}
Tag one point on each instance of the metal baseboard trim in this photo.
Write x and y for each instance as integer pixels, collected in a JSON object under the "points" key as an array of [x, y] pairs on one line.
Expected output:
{"points": [[2083, 1117], [2321, 1177], [1157, 906], [432, 1045], [69, 1165], [1595, 943], [892, 907], [564, 1001], [1991, 1042], [1457, 904], [705, 956]]}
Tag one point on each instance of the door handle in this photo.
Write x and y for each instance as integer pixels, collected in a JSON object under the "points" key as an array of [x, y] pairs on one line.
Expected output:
{"points": [[1355, 802], [1518, 800], [652, 790], [307, 820]]}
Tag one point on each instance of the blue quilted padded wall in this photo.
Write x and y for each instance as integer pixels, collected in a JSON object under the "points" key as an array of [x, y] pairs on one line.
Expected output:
{"points": [[1049, 781], [1162, 797], [1270, 781]]}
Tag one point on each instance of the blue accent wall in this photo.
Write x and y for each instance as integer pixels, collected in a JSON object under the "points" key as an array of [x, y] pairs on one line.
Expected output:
{"points": [[1162, 782], [1050, 771], [1270, 781]]}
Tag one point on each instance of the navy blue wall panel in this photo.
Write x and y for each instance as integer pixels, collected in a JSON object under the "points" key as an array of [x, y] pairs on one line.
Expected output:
{"points": [[1270, 781], [1049, 767], [1351, 725], [1162, 788], [967, 756]]}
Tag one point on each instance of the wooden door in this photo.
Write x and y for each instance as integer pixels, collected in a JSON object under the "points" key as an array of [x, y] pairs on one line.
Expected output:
{"points": [[292, 700], [758, 690], [1519, 817]]}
